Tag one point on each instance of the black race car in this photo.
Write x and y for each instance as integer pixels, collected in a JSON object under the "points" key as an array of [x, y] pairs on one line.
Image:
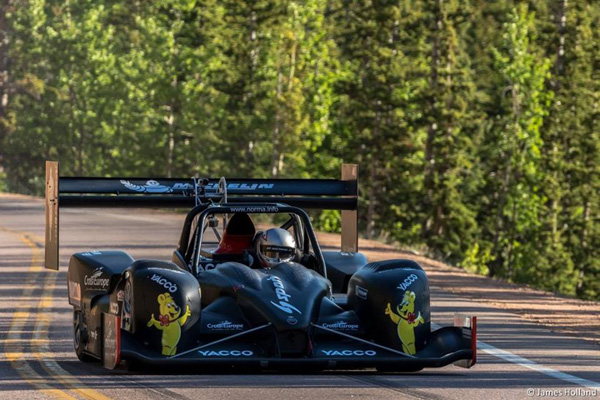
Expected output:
{"points": [[215, 304]]}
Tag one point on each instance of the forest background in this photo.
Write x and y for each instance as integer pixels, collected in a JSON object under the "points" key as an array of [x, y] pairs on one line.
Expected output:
{"points": [[476, 123]]}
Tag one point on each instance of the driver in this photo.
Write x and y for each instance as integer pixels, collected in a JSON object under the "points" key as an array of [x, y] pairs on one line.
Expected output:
{"points": [[274, 246]]}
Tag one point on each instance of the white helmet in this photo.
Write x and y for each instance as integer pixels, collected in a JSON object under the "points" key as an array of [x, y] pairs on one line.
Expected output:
{"points": [[274, 246]]}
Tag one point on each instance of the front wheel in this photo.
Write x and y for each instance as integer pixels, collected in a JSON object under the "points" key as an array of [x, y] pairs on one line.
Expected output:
{"points": [[80, 337]]}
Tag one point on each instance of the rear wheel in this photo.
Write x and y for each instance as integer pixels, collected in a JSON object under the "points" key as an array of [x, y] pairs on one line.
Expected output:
{"points": [[80, 337]]}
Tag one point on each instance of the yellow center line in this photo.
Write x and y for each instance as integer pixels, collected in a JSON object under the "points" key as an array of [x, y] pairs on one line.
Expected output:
{"points": [[13, 346], [44, 354]]}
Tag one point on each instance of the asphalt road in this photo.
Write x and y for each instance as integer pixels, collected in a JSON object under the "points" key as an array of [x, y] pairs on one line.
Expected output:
{"points": [[517, 359]]}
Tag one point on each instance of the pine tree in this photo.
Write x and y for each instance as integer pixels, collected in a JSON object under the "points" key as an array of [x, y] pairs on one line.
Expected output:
{"points": [[375, 109], [452, 125], [554, 264], [580, 119], [513, 149], [481, 147]]}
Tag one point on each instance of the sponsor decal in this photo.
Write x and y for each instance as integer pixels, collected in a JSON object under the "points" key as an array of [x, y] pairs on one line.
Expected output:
{"points": [[291, 320], [111, 341], [91, 253], [406, 321], [255, 209], [407, 282], [284, 298], [109, 337], [347, 353], [281, 249], [94, 334], [127, 306], [208, 266], [170, 286], [75, 293], [170, 321], [225, 353], [153, 186], [95, 282], [127, 297], [341, 325], [120, 295], [242, 186], [361, 292], [226, 326], [114, 308]]}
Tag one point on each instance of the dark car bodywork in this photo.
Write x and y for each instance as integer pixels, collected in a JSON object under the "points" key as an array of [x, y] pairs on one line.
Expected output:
{"points": [[323, 310]]}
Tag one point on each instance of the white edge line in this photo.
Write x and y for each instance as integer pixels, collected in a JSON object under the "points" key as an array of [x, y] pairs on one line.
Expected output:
{"points": [[524, 362]]}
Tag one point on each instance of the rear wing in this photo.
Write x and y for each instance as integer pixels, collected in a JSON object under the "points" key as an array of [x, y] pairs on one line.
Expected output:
{"points": [[325, 194]]}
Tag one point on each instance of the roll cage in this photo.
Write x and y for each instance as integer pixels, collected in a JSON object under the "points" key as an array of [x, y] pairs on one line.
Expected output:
{"points": [[189, 250]]}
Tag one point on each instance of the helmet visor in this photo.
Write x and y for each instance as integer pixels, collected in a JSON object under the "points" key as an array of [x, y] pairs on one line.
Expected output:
{"points": [[277, 254]]}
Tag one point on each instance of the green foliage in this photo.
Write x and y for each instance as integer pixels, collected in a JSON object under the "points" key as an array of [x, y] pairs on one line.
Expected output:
{"points": [[3, 186], [514, 148], [452, 131], [476, 259], [329, 221], [475, 123]]}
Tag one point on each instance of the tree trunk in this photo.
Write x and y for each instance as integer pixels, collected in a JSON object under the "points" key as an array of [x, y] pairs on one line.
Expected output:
{"points": [[170, 143], [249, 148], [4, 70], [495, 266], [584, 246], [78, 130], [556, 83], [171, 130], [429, 179], [275, 159], [373, 177], [561, 20]]}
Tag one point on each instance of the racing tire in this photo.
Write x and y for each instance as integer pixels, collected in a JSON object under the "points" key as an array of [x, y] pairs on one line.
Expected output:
{"points": [[79, 337]]}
